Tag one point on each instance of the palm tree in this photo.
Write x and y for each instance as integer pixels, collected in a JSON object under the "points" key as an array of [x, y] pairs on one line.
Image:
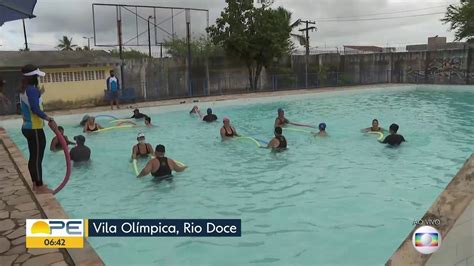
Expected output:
{"points": [[65, 44]]}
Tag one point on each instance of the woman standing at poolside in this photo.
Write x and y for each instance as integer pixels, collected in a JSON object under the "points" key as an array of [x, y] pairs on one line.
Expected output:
{"points": [[31, 107]]}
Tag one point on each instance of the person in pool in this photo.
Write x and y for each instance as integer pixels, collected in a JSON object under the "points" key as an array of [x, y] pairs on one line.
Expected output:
{"points": [[374, 128], [80, 153], [394, 139], [148, 121], [322, 130], [142, 149], [91, 125], [56, 145], [227, 130], [161, 167], [195, 110], [281, 119], [84, 120], [138, 115], [278, 143], [210, 117]]}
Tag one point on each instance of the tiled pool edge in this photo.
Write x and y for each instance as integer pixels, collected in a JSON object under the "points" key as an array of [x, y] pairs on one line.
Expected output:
{"points": [[448, 207], [48, 204]]}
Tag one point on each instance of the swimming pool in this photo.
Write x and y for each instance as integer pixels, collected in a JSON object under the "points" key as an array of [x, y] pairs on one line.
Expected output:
{"points": [[345, 199]]}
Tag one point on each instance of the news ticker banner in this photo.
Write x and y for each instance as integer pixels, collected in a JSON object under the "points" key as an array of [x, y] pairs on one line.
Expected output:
{"points": [[70, 233]]}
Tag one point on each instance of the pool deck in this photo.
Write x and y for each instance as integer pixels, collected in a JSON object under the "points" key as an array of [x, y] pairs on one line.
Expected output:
{"points": [[17, 203], [454, 207]]}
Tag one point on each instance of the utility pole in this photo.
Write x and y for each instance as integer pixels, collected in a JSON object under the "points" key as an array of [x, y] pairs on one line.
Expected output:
{"points": [[306, 30], [24, 33], [119, 33], [188, 40], [149, 38]]}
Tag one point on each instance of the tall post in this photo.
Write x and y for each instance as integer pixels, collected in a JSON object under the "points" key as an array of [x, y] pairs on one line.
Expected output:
{"points": [[161, 50], [149, 37], [24, 34], [307, 56], [188, 40], [306, 30], [119, 32]]}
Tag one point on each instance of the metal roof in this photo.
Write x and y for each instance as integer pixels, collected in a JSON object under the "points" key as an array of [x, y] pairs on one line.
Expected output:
{"points": [[17, 59]]}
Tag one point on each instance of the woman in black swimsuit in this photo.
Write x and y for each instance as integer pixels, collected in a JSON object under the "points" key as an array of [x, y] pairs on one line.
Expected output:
{"points": [[91, 125], [161, 167], [142, 149], [278, 143], [227, 130]]}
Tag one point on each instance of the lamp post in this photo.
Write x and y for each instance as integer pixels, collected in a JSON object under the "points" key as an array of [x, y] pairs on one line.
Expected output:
{"points": [[149, 37], [24, 34], [88, 41]]}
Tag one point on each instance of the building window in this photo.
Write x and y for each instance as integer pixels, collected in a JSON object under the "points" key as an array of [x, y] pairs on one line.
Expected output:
{"points": [[67, 76], [47, 78], [90, 75], [100, 74], [79, 76], [56, 77]]}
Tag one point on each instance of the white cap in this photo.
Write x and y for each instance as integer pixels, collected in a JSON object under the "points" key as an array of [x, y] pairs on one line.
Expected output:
{"points": [[140, 135], [35, 72]]}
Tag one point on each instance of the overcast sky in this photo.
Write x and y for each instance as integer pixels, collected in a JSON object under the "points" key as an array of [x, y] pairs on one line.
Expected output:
{"points": [[341, 22]]}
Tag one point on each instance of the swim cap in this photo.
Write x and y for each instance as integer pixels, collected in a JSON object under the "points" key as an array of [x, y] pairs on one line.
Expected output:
{"points": [[160, 148], [280, 110], [225, 119], [136, 110], [209, 111], [140, 135], [322, 126]]}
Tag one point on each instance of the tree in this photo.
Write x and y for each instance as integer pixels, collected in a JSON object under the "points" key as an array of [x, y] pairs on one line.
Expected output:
{"points": [[256, 35], [128, 54], [200, 48], [65, 44], [84, 48], [461, 19]]}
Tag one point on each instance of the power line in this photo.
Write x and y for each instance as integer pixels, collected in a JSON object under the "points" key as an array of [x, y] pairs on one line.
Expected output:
{"points": [[387, 13], [371, 19]]}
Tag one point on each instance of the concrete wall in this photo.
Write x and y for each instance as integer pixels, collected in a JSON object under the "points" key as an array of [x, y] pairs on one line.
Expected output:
{"points": [[166, 78]]}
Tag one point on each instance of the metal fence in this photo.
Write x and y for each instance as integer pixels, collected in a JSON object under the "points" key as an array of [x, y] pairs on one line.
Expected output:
{"points": [[169, 85]]}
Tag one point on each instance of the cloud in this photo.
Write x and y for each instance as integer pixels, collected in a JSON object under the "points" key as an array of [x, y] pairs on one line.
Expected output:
{"points": [[56, 18]]}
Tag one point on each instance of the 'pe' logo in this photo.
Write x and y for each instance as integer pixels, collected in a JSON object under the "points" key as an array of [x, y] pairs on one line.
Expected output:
{"points": [[54, 227], [54, 233], [426, 240]]}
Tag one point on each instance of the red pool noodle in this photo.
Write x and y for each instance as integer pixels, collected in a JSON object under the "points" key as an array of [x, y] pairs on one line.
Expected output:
{"points": [[67, 157]]}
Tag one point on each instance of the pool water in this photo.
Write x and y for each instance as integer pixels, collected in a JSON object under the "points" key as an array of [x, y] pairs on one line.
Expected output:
{"points": [[344, 199]]}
